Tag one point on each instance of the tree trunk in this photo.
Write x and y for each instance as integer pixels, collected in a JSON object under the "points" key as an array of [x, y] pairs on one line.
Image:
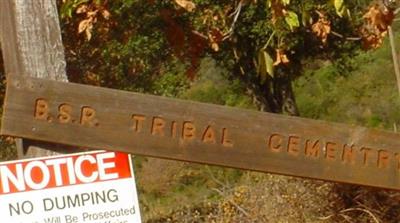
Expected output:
{"points": [[394, 57], [274, 94], [31, 44]]}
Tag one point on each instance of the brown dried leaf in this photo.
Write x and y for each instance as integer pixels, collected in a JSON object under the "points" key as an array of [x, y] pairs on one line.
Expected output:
{"points": [[84, 24], [176, 38], [376, 17], [81, 9], [10, 140], [379, 17], [377, 21], [197, 46], [186, 4], [322, 27], [278, 10], [281, 57], [88, 33], [174, 32], [91, 78], [215, 37], [215, 46], [92, 13], [106, 14]]}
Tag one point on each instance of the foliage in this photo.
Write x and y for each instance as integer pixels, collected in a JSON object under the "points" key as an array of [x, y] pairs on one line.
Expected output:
{"points": [[131, 44], [212, 87], [8, 150], [355, 96]]}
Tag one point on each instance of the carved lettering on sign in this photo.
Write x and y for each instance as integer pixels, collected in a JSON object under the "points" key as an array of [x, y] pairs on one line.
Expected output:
{"points": [[195, 132], [332, 151], [138, 122], [41, 109], [173, 129], [184, 130], [397, 158], [88, 116], [158, 126], [209, 135], [383, 158], [226, 141], [275, 142], [367, 153], [349, 154], [293, 145], [188, 131], [64, 113], [313, 148]]}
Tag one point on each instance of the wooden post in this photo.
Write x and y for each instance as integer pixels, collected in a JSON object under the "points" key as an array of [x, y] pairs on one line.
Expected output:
{"points": [[394, 56], [31, 44]]}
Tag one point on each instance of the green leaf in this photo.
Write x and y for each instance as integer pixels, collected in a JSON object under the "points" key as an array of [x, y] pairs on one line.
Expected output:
{"points": [[285, 2], [292, 20], [341, 9], [269, 3], [265, 65]]}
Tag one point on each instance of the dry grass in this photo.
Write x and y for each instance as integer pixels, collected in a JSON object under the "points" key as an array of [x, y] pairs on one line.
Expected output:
{"points": [[253, 197], [169, 194], [361, 204]]}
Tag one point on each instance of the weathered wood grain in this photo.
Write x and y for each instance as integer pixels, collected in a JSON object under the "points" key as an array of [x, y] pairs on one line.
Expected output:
{"points": [[182, 130], [31, 45]]}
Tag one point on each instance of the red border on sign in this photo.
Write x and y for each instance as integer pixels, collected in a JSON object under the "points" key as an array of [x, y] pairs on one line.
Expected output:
{"points": [[65, 170]]}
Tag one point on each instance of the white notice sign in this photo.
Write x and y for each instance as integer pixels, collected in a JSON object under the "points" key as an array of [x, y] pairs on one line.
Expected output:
{"points": [[93, 187]]}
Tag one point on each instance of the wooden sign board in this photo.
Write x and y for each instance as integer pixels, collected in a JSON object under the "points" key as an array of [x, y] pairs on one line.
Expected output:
{"points": [[182, 130]]}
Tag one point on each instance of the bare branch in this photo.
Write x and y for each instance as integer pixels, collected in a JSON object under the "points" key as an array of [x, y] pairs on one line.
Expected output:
{"points": [[236, 14], [346, 38]]}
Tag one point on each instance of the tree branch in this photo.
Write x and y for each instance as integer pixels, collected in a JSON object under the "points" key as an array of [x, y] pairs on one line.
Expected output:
{"points": [[236, 14], [346, 38]]}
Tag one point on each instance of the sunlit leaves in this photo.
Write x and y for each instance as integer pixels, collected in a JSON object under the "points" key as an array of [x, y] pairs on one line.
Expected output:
{"points": [[322, 27], [377, 20], [186, 4], [105, 13], [68, 7], [265, 65], [281, 57], [86, 26], [379, 17], [231, 31], [340, 7], [292, 20], [215, 37], [278, 9], [306, 18], [285, 2], [88, 13]]}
